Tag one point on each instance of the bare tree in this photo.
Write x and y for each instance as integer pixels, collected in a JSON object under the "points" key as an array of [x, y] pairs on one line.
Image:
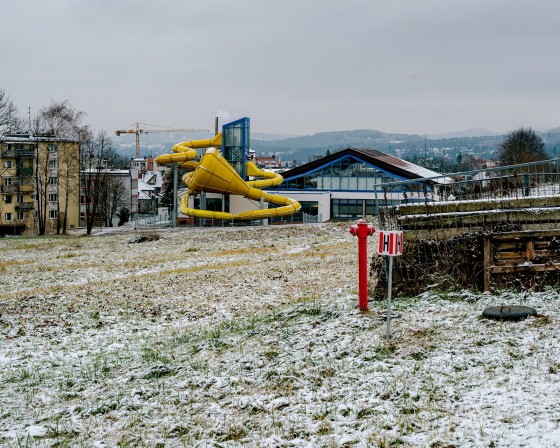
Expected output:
{"points": [[41, 176], [96, 157], [9, 119], [522, 146], [65, 124], [114, 197]]}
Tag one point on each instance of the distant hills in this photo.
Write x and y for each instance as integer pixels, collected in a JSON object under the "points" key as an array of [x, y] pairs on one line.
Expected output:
{"points": [[480, 142], [473, 132], [407, 146]]}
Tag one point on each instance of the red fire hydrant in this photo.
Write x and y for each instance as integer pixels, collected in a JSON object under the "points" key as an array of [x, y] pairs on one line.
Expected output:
{"points": [[362, 230]]}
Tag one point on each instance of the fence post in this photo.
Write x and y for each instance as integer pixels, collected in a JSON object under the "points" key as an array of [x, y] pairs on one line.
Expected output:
{"points": [[175, 198], [487, 263]]}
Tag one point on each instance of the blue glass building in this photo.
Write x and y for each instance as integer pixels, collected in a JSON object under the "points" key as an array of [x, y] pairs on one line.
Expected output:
{"points": [[348, 184]]}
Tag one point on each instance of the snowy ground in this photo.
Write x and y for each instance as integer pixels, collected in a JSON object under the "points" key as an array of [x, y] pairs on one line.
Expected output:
{"points": [[251, 337]]}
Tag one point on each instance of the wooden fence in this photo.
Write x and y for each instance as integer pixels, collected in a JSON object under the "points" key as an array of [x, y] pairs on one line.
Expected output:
{"points": [[524, 257]]}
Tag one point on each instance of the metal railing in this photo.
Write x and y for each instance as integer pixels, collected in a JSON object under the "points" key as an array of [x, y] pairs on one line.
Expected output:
{"points": [[522, 196], [296, 218], [152, 220], [24, 206]]}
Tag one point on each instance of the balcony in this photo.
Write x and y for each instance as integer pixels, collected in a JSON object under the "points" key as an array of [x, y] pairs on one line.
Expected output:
{"points": [[24, 206], [21, 171], [11, 188], [9, 154], [25, 153], [17, 153], [25, 188]]}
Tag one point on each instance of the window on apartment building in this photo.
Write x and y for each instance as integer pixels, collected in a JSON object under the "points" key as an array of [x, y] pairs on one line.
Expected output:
{"points": [[52, 148], [8, 164], [20, 216], [53, 180], [53, 214], [8, 181], [8, 199], [20, 198], [8, 216], [52, 163], [53, 197]]}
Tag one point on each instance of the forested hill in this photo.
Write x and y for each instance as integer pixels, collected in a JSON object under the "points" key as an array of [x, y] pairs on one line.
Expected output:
{"points": [[305, 147], [406, 146]]}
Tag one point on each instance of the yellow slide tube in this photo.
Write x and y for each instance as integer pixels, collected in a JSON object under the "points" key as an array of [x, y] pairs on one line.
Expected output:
{"points": [[205, 143], [214, 174]]}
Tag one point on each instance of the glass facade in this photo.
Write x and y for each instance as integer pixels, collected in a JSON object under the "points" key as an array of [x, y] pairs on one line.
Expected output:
{"points": [[356, 208], [352, 208], [309, 207], [345, 174], [236, 143], [348, 173]]}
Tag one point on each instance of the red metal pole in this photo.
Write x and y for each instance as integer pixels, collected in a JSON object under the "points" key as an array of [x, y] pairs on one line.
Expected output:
{"points": [[362, 230]]}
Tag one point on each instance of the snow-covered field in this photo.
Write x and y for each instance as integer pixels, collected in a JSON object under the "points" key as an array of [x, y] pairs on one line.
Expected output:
{"points": [[250, 337]]}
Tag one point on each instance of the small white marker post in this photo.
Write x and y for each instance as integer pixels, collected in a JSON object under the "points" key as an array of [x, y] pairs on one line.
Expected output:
{"points": [[391, 245]]}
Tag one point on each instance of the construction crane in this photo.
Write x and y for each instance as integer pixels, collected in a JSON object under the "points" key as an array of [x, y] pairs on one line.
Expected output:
{"points": [[141, 128]]}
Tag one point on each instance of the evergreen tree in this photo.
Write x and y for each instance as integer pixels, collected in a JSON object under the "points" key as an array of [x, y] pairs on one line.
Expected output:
{"points": [[166, 199]]}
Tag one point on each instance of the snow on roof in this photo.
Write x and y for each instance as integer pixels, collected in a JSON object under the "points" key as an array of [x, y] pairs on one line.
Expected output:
{"points": [[406, 166], [29, 138], [143, 186], [386, 162], [153, 178], [108, 171], [142, 195]]}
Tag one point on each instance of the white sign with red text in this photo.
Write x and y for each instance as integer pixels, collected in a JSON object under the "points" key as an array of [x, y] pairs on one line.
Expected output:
{"points": [[390, 242]]}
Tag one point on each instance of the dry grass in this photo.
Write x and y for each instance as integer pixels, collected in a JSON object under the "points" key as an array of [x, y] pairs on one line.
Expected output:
{"points": [[259, 344]]}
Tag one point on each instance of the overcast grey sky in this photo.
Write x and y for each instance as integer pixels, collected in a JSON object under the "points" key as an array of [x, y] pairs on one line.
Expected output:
{"points": [[293, 66]]}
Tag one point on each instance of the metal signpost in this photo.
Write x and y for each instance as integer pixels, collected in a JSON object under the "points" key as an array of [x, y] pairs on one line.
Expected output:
{"points": [[391, 245]]}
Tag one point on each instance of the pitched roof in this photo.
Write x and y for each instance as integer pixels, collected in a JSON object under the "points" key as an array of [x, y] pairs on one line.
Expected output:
{"points": [[28, 138], [386, 162]]}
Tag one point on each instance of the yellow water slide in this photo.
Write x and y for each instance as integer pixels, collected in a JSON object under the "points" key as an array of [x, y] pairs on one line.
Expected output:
{"points": [[213, 174]]}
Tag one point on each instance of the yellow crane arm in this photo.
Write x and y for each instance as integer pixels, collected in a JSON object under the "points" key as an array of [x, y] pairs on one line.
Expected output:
{"points": [[144, 130]]}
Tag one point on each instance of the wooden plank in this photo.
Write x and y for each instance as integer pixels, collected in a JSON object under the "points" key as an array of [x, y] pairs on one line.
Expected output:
{"points": [[524, 268], [526, 234], [509, 247], [530, 254], [520, 254], [546, 244], [509, 262], [549, 253]]}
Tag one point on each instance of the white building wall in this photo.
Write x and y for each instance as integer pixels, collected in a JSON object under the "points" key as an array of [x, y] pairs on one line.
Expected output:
{"points": [[133, 191]]}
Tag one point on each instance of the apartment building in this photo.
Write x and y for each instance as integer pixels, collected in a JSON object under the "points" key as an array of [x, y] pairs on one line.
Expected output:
{"points": [[39, 184]]}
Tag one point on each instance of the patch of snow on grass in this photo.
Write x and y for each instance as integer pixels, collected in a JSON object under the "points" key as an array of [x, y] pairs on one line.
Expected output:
{"points": [[251, 337]]}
